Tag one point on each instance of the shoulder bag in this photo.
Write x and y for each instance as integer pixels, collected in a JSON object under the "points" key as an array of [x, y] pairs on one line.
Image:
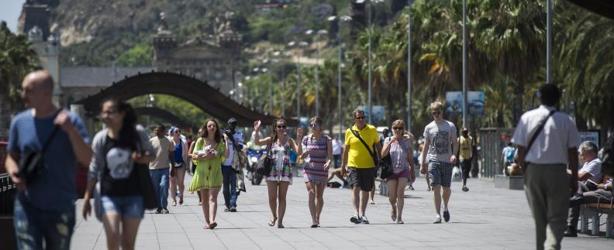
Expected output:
{"points": [[266, 162], [32, 163]]}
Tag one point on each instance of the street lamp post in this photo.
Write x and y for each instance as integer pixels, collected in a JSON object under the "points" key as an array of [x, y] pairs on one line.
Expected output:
{"points": [[409, 65], [464, 63], [298, 77], [344, 19], [318, 35], [369, 66], [549, 41]]}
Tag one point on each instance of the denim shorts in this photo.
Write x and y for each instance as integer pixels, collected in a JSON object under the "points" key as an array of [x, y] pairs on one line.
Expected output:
{"points": [[126, 206], [441, 173]]}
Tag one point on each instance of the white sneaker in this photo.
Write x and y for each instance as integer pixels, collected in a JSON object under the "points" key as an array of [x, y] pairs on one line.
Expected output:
{"points": [[437, 220], [364, 220]]}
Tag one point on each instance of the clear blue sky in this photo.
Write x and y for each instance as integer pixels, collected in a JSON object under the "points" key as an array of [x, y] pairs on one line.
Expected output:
{"points": [[9, 12]]}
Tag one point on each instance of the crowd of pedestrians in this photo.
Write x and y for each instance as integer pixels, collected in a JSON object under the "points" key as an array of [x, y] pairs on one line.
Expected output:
{"points": [[130, 172]]}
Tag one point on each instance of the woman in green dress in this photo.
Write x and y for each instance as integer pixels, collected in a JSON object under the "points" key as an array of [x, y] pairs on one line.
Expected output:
{"points": [[209, 152]]}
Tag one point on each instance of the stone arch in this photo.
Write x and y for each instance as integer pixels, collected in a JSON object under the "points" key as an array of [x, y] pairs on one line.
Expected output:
{"points": [[165, 115], [195, 91]]}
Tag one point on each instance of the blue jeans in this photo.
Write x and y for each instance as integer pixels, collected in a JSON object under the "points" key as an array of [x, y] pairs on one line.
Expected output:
{"points": [[33, 225], [229, 186], [159, 178], [125, 206]]}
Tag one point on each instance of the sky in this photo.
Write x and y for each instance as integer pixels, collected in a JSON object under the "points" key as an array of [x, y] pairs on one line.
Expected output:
{"points": [[9, 12]]}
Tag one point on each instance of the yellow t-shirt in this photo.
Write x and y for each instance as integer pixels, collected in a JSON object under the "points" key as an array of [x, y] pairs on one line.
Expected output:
{"points": [[358, 156], [465, 147]]}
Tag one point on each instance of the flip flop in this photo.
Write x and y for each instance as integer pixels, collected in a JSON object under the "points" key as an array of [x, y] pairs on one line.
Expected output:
{"points": [[212, 225], [272, 222]]}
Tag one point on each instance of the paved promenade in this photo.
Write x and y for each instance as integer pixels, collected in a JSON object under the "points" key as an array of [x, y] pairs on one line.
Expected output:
{"points": [[483, 218]]}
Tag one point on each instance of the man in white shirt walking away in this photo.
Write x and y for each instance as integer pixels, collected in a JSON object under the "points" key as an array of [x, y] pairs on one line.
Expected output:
{"points": [[544, 156]]}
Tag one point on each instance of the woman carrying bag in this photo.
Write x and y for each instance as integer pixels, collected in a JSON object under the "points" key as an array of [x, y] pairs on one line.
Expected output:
{"points": [[119, 150], [400, 152], [280, 176]]}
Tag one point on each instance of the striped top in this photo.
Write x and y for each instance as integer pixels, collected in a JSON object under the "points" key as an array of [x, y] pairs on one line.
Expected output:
{"points": [[317, 154]]}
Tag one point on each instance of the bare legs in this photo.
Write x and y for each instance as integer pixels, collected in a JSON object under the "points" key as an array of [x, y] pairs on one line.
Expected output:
{"points": [[277, 201], [209, 205], [124, 238], [316, 201], [438, 195], [177, 182], [396, 196]]}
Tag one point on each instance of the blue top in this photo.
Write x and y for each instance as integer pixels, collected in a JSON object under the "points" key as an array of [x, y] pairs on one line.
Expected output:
{"points": [[178, 152], [55, 188]]}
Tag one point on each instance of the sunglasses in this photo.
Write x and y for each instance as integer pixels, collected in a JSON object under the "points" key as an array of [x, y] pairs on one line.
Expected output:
{"points": [[397, 128], [360, 118], [436, 112], [281, 126], [313, 125]]}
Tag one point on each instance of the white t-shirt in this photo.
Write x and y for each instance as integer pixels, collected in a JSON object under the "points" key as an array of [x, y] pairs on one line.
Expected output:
{"points": [[238, 137], [594, 168], [440, 136], [558, 136], [336, 147]]}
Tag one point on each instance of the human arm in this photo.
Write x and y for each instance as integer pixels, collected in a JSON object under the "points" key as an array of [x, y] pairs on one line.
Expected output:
{"points": [[77, 135], [572, 159], [386, 148], [344, 159], [329, 154], [423, 167], [12, 168], [455, 145], [256, 135]]}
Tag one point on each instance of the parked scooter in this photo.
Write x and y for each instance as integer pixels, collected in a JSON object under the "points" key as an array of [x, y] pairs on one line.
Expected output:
{"points": [[253, 156]]}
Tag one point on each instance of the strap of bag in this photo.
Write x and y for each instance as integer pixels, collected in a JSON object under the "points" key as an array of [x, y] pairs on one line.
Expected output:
{"points": [[539, 129], [365, 144], [53, 133]]}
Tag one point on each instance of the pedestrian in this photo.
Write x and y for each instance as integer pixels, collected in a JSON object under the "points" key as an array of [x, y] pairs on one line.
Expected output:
{"points": [[401, 156], [179, 166], [359, 159], [465, 142], [544, 157], [44, 207], [438, 156], [509, 154], [316, 150], [118, 150], [280, 176], [160, 166], [589, 178], [232, 165], [209, 152]]}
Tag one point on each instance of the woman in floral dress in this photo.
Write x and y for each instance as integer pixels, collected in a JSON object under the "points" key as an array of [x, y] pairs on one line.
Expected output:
{"points": [[280, 176]]}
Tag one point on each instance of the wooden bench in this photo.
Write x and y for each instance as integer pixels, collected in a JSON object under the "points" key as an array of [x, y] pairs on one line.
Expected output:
{"points": [[593, 212]]}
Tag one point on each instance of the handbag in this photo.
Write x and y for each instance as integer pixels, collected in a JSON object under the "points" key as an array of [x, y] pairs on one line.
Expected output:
{"points": [[32, 163], [386, 167], [265, 163], [145, 185]]}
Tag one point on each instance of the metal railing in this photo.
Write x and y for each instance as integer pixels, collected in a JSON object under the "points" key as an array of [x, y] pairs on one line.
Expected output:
{"points": [[491, 143], [7, 195]]}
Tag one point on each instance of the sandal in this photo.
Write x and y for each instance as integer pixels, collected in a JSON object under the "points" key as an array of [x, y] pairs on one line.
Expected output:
{"points": [[272, 222], [212, 225], [280, 226]]}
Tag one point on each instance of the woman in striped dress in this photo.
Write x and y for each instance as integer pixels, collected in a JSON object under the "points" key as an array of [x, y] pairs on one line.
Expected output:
{"points": [[316, 150], [280, 176]]}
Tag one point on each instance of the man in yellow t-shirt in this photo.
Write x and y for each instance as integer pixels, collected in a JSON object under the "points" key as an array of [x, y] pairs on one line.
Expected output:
{"points": [[465, 155], [360, 162]]}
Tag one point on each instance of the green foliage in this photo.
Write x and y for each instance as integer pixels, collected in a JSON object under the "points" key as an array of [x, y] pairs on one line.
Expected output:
{"points": [[17, 59], [181, 108], [139, 55]]}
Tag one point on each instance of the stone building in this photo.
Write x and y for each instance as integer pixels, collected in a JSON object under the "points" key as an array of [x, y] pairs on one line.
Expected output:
{"points": [[213, 57]]}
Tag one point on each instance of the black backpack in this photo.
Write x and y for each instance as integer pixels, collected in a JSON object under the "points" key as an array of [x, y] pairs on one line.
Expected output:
{"points": [[607, 157]]}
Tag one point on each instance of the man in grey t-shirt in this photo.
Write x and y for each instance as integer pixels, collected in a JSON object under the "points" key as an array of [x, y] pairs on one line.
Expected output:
{"points": [[438, 155], [160, 166]]}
